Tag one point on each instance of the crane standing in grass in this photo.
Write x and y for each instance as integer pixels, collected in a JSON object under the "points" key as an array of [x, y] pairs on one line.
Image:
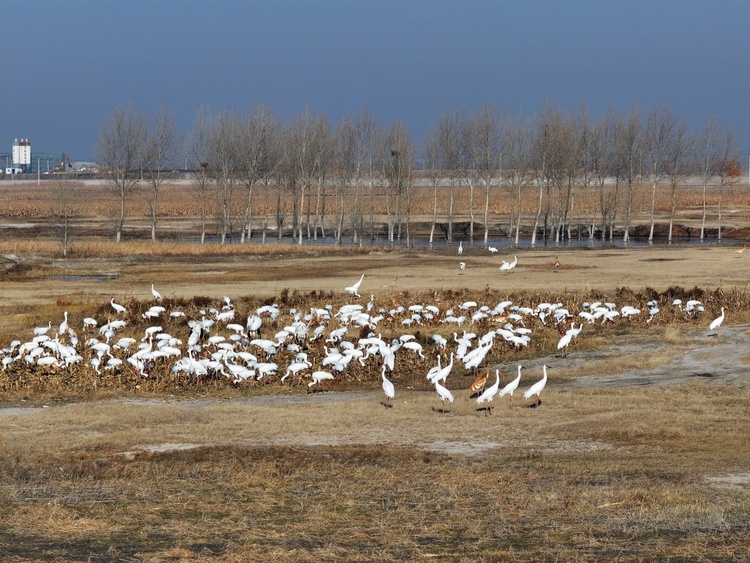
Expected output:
{"points": [[537, 388]]}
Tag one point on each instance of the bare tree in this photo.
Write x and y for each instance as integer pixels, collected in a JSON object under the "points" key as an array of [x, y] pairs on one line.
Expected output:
{"points": [[660, 125], [159, 156], [224, 164], [66, 211], [483, 143], [365, 134], [573, 144], [727, 167], [307, 150], [678, 162], [432, 150], [398, 168], [516, 149], [547, 162], [119, 151], [345, 159], [255, 158], [448, 136], [600, 149], [707, 146], [200, 149], [628, 141]]}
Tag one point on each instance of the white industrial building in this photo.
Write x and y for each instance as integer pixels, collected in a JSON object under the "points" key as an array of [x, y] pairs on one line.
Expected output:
{"points": [[20, 157]]}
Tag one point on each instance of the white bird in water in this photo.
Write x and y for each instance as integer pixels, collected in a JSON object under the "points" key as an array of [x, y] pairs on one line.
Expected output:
{"points": [[512, 386], [444, 394], [716, 323], [536, 389], [388, 389], [354, 289], [489, 393], [155, 293]]}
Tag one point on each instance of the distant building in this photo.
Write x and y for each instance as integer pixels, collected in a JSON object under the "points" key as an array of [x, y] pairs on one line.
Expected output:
{"points": [[21, 155]]}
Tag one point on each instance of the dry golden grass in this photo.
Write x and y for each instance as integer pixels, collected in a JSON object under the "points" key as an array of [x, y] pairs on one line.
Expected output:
{"points": [[92, 249], [593, 475]]}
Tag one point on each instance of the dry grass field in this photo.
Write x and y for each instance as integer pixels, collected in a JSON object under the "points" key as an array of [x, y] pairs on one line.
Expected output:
{"points": [[638, 452]]}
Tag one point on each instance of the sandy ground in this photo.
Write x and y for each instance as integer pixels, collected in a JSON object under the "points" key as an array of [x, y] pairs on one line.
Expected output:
{"points": [[707, 267]]}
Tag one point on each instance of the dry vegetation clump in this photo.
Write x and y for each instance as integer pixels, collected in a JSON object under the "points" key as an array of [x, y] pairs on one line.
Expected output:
{"points": [[81, 379], [93, 249]]}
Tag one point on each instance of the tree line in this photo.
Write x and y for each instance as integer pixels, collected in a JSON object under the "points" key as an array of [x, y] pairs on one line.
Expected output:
{"points": [[321, 179]]}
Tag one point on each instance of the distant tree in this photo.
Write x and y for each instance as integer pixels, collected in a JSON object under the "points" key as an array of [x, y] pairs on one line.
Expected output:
{"points": [[626, 159], [678, 164], [224, 165], [516, 150], [398, 169], [306, 149], [256, 156], [483, 137], [448, 136], [547, 161], [200, 149], [365, 133], [660, 126], [67, 210], [345, 163], [159, 156], [119, 152], [600, 149], [727, 167], [432, 151], [707, 146]]}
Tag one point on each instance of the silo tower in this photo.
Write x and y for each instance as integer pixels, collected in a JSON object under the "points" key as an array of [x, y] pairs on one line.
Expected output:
{"points": [[22, 154]]}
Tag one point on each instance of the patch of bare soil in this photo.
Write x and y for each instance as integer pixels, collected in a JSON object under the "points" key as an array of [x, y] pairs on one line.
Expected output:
{"points": [[704, 355]]}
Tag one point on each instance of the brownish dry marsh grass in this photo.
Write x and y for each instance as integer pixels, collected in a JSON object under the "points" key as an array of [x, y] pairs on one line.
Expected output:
{"points": [[594, 475], [92, 249]]}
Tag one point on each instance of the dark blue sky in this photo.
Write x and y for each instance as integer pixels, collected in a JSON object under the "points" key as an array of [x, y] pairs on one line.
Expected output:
{"points": [[66, 64]]}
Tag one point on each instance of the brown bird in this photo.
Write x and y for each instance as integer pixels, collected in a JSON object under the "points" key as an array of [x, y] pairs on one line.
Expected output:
{"points": [[557, 263], [739, 251], [480, 382]]}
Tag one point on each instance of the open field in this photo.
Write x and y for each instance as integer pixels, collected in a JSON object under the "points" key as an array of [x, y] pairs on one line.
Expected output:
{"points": [[638, 452]]}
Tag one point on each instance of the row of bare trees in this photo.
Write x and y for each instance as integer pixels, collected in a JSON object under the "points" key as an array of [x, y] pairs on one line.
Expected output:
{"points": [[336, 179]]}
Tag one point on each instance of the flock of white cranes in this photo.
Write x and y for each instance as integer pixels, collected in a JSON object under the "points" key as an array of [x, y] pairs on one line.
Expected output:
{"points": [[321, 344]]}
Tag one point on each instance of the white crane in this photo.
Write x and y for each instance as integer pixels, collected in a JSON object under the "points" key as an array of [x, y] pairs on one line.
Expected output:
{"points": [[460, 248], [354, 289], [318, 376], [508, 266], [564, 342], [119, 309], [388, 389], [444, 394], [155, 293], [536, 389], [716, 323], [512, 386], [489, 393]]}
